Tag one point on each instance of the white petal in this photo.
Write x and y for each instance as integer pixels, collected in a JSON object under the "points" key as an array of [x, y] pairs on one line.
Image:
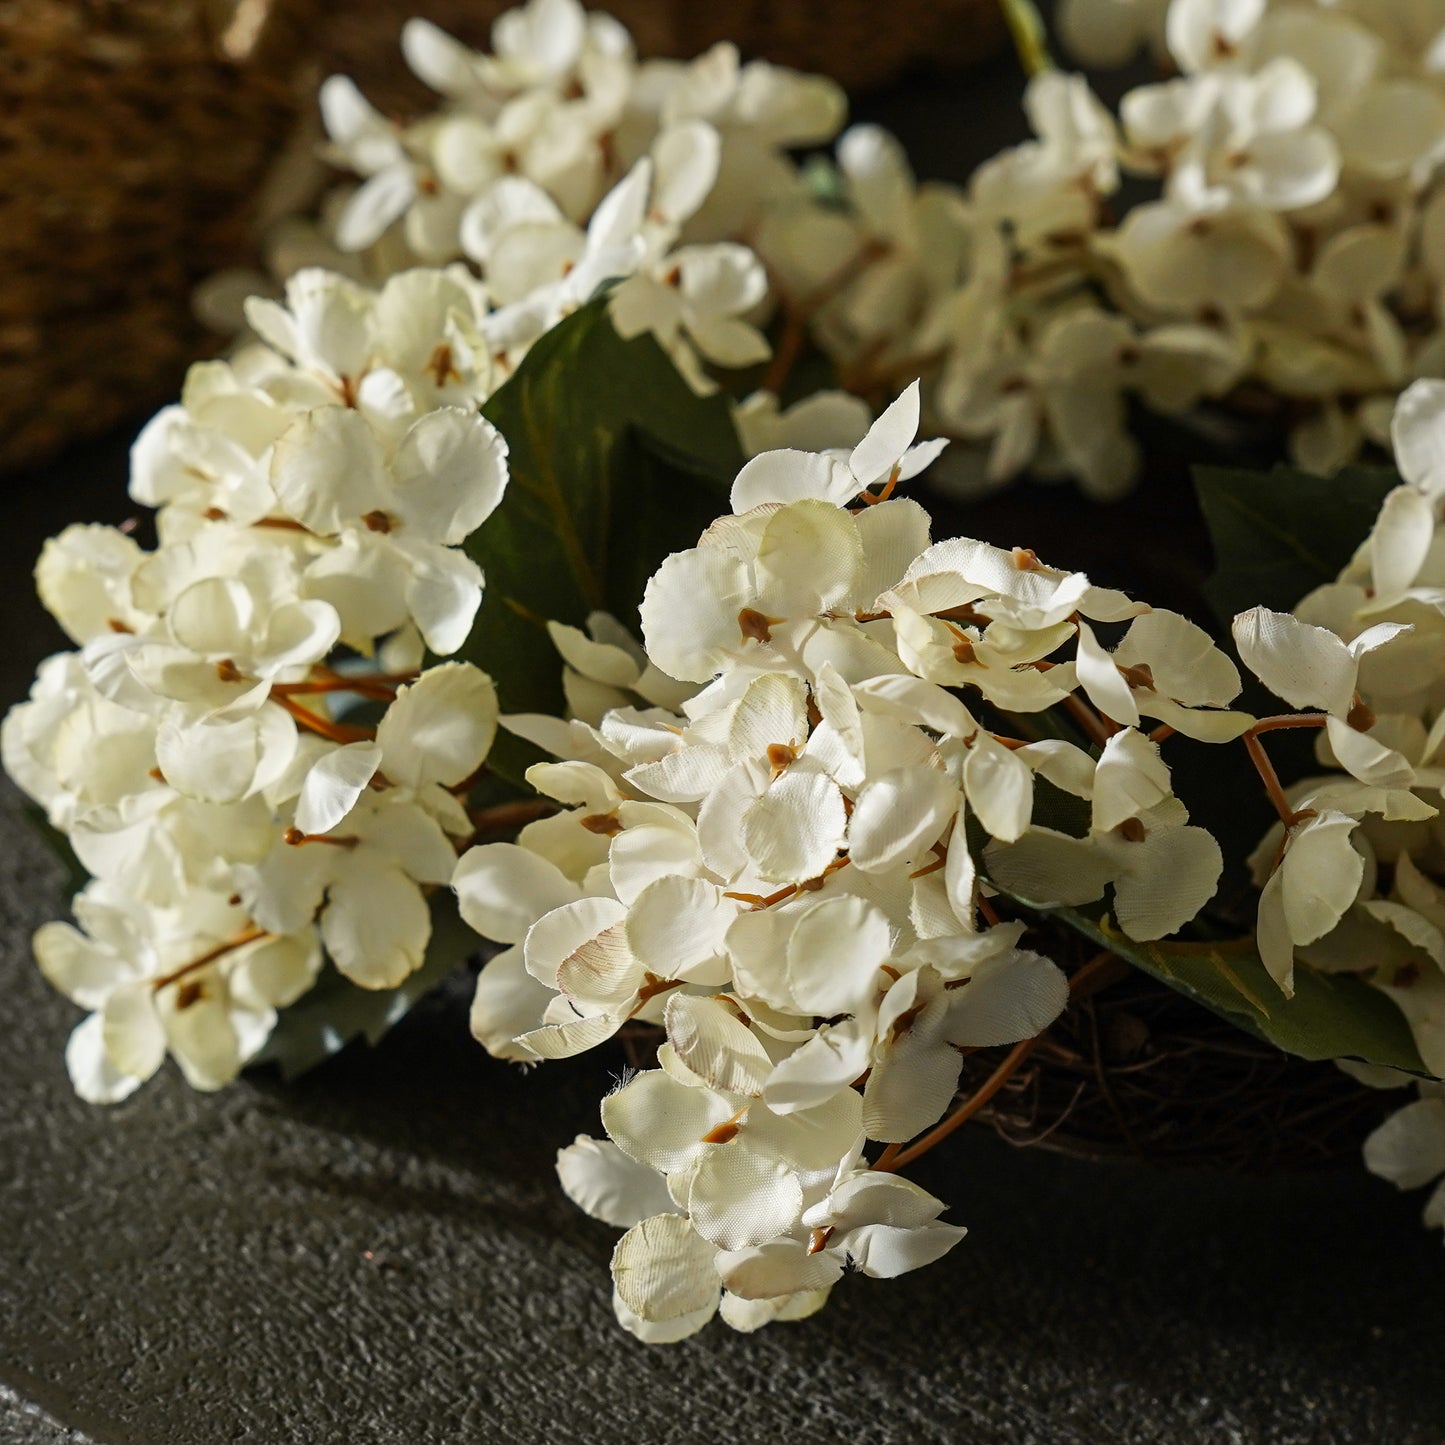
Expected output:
{"points": [[888, 438], [1166, 880], [376, 926], [92, 1075], [557, 935], [716, 1045], [885, 1251], [677, 928], [333, 784], [1102, 680], [440, 727], [663, 1270], [449, 474], [327, 469], [1306, 666], [739, 1198], [899, 815], [1408, 1149], [1006, 999], [793, 832], [660, 1122], [1131, 777], [601, 1180], [790, 476], [835, 954], [508, 1002], [778, 1267], [1048, 868], [1000, 788], [503, 889]]}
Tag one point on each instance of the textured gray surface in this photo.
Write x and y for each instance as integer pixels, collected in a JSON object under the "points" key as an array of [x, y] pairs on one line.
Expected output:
{"points": [[380, 1255]]}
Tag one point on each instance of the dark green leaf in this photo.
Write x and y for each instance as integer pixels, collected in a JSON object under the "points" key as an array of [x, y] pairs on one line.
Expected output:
{"points": [[1331, 1016], [335, 1011], [1278, 535], [615, 462]]}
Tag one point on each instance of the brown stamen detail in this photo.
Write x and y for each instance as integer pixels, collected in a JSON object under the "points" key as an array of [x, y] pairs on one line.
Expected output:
{"points": [[441, 365], [673, 277], [1133, 830], [963, 652], [1026, 559], [192, 991], [907, 1019], [296, 838], [722, 1134], [815, 714], [116, 625], [227, 671], [892, 972], [753, 624], [348, 392], [214, 514], [1361, 716], [781, 756], [378, 521], [1140, 675], [427, 184], [156, 773], [605, 825], [282, 524], [234, 900], [652, 985], [818, 1240]]}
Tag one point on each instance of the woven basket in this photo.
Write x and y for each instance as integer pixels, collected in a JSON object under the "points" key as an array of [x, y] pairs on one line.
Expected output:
{"points": [[135, 134]]}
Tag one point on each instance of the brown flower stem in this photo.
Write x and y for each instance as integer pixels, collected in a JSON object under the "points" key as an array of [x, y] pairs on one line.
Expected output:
{"points": [[1288, 720], [502, 817], [322, 726], [1101, 970], [1088, 719], [364, 686], [790, 350], [967, 1109], [1269, 777], [250, 935]]}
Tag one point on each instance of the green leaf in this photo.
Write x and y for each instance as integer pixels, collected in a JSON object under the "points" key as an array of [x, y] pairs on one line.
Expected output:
{"points": [[1278, 535], [615, 462], [1331, 1016], [336, 1011]]}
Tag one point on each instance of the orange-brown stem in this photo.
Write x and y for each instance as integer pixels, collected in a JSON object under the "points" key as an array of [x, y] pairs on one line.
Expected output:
{"points": [[323, 726], [249, 935]]}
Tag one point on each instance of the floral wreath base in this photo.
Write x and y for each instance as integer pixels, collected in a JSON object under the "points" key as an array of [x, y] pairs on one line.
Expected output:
{"points": [[857, 828]]}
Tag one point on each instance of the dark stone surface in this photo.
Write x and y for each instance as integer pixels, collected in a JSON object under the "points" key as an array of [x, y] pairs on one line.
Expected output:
{"points": [[379, 1254]]}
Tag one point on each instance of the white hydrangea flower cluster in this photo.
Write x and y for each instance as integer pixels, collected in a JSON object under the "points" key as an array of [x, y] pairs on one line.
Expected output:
{"points": [[782, 870], [1349, 873], [1354, 874], [197, 750], [561, 161], [1289, 266], [1299, 225]]}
